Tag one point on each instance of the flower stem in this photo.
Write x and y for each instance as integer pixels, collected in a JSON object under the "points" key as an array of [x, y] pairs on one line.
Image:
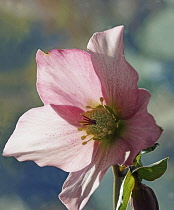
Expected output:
{"points": [[116, 185]]}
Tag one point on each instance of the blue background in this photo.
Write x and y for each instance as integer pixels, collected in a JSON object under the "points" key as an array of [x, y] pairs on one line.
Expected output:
{"points": [[26, 26]]}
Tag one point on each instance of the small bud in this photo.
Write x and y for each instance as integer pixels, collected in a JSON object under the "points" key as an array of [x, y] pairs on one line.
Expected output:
{"points": [[143, 198]]}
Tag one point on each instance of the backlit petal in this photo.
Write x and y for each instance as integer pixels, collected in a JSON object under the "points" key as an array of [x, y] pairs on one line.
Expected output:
{"points": [[80, 185], [110, 154], [43, 136], [67, 77], [117, 76], [141, 130]]}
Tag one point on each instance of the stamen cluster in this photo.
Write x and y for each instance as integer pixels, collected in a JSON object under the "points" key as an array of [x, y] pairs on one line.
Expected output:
{"points": [[100, 122]]}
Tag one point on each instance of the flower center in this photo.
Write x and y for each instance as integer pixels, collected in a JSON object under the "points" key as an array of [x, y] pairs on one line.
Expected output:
{"points": [[100, 122]]}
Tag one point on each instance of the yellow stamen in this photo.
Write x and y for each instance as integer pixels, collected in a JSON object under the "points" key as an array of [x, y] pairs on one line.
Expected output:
{"points": [[85, 142], [101, 100], [100, 123], [110, 132], [105, 130]]}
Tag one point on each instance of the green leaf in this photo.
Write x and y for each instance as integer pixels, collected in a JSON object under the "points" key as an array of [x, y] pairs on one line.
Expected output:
{"points": [[137, 161], [149, 149], [125, 191], [153, 171]]}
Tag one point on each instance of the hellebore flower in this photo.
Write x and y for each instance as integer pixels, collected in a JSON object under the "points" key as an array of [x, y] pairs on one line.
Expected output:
{"points": [[94, 115]]}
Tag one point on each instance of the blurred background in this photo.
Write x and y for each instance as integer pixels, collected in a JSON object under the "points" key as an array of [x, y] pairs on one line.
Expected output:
{"points": [[28, 25]]}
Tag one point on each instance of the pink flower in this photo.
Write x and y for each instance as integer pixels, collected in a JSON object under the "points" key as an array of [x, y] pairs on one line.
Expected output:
{"points": [[74, 130]]}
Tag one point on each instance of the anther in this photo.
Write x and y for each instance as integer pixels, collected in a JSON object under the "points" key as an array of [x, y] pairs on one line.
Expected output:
{"points": [[85, 142], [101, 100], [105, 129], [110, 132], [83, 137]]}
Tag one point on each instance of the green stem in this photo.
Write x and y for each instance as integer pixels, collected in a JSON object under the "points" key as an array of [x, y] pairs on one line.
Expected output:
{"points": [[116, 185]]}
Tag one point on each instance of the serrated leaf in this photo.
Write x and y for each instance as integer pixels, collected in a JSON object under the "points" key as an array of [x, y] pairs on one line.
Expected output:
{"points": [[125, 191], [153, 171]]}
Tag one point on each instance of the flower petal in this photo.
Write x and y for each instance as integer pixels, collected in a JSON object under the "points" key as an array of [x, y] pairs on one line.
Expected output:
{"points": [[118, 78], [67, 77], [141, 130], [79, 186], [112, 154], [43, 136]]}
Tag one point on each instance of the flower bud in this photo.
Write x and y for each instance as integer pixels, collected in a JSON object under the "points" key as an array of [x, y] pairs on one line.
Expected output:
{"points": [[143, 198]]}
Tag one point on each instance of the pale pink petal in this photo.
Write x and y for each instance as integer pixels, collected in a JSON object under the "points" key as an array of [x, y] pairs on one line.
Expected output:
{"points": [[43, 136], [118, 78], [67, 77], [109, 154], [141, 130], [80, 185]]}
